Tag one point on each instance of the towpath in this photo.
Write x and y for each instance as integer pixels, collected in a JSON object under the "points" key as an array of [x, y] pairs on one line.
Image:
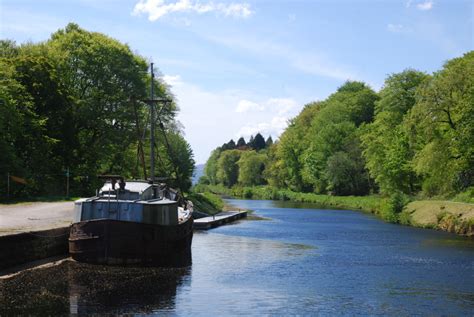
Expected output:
{"points": [[36, 216]]}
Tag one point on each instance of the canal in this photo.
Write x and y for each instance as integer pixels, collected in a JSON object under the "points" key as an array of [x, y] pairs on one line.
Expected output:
{"points": [[297, 260]]}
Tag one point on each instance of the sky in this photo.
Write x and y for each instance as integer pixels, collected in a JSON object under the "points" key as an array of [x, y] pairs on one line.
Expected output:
{"points": [[242, 67]]}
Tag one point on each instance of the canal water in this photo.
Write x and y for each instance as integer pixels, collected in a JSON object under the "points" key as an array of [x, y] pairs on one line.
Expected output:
{"points": [[298, 260]]}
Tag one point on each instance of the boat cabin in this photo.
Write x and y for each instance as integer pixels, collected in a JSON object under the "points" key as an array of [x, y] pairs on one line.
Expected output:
{"points": [[132, 201]]}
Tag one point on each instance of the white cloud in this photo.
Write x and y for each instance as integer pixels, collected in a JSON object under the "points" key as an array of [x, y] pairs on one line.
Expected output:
{"points": [[281, 106], [172, 80], [273, 127], [157, 9], [421, 5], [246, 106], [425, 6], [395, 28], [280, 110]]}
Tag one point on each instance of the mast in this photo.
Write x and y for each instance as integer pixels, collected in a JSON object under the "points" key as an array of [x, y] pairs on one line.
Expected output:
{"points": [[152, 132]]}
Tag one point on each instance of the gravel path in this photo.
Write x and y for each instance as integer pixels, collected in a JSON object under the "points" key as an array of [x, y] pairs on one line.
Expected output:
{"points": [[34, 216]]}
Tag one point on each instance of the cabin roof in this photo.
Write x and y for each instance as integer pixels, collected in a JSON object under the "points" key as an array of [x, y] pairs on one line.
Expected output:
{"points": [[133, 186]]}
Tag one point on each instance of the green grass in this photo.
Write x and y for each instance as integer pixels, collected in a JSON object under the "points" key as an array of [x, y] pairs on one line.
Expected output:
{"points": [[452, 216], [373, 204], [207, 202]]}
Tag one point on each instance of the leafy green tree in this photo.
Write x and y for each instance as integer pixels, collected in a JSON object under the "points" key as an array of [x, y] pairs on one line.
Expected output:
{"points": [[74, 102], [385, 142], [251, 166], [440, 127], [358, 99], [275, 173], [335, 129], [210, 170], [176, 160], [227, 167], [293, 142], [103, 77]]}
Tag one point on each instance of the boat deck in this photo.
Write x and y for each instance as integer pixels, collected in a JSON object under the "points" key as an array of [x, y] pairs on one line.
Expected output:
{"points": [[218, 219]]}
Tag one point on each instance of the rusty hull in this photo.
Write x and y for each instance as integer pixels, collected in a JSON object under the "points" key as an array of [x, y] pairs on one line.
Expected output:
{"points": [[115, 242]]}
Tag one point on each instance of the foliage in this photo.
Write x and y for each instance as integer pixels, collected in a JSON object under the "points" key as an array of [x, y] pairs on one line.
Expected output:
{"points": [[332, 159], [466, 196], [386, 147], [258, 142], [227, 168], [177, 161], [210, 170], [441, 130], [293, 142], [72, 103], [251, 165], [206, 202], [241, 142]]}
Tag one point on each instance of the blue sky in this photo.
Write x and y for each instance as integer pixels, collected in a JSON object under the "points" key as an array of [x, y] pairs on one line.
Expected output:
{"points": [[242, 67]]}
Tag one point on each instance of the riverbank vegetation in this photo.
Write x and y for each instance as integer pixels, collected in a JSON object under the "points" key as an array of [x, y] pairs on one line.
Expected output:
{"points": [[72, 108], [376, 151], [206, 202]]}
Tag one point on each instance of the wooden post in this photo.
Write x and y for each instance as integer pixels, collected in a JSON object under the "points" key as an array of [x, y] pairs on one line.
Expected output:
{"points": [[67, 182], [8, 185]]}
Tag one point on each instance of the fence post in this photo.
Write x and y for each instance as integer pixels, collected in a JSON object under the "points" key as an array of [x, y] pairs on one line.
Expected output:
{"points": [[67, 182], [8, 185]]}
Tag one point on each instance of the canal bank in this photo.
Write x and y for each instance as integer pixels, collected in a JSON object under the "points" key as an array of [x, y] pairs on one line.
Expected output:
{"points": [[35, 231], [449, 216]]}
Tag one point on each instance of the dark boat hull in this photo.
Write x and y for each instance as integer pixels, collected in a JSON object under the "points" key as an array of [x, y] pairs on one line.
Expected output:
{"points": [[114, 242]]}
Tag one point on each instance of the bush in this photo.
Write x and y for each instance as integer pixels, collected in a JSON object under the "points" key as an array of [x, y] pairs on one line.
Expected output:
{"points": [[466, 196], [391, 211], [247, 193]]}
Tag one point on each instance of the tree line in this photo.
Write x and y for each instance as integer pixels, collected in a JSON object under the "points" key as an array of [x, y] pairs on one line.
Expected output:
{"points": [[415, 136], [74, 103]]}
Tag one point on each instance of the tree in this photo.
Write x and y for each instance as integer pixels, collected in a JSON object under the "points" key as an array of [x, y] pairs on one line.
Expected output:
{"points": [[293, 142], [251, 166], [73, 102], [227, 167], [241, 142], [251, 142], [358, 99], [210, 170], [269, 142], [386, 147], [258, 142], [440, 128], [335, 129], [229, 145], [177, 160], [102, 77]]}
